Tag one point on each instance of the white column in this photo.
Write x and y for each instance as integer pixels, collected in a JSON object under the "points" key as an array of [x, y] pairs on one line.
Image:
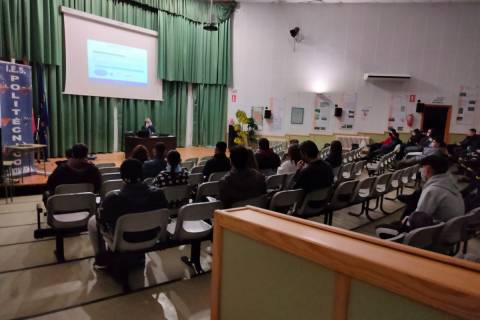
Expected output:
{"points": [[189, 131]]}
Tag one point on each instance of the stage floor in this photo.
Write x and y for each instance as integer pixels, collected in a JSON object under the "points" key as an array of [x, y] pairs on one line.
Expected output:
{"points": [[117, 157]]}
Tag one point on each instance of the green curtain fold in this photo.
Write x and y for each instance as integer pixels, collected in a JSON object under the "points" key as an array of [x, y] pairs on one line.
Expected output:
{"points": [[209, 114]]}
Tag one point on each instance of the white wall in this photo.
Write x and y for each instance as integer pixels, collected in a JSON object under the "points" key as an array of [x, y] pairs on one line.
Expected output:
{"points": [[438, 44]]}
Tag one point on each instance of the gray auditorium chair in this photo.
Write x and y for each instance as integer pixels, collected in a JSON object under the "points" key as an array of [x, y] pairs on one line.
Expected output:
{"points": [[288, 181], [105, 165], [358, 169], [314, 203], [74, 188], [188, 165], [345, 173], [191, 221], [111, 176], [110, 185], [194, 179], [259, 202], [340, 199], [395, 184], [208, 189], [286, 201], [472, 228], [104, 170], [197, 169], [69, 213], [362, 194], [217, 176], [423, 238], [194, 160], [206, 158], [176, 196], [275, 182], [380, 189], [452, 234], [202, 163]]}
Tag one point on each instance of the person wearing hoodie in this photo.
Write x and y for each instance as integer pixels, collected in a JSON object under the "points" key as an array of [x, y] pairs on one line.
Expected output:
{"points": [[440, 197], [268, 161], [77, 169], [242, 182]]}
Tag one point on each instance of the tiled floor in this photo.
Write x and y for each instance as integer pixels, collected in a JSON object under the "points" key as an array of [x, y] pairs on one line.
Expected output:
{"points": [[34, 285]]}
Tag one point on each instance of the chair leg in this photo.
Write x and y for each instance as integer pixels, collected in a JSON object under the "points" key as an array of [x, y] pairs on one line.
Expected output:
{"points": [[59, 249], [465, 247], [194, 260], [39, 211], [360, 213], [385, 212], [377, 202]]}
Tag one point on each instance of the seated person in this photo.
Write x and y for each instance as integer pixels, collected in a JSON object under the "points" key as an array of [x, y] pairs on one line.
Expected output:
{"points": [[334, 158], [135, 196], [219, 162], [152, 168], [76, 169], [437, 147], [148, 127], [252, 161], [469, 144], [312, 173], [440, 198], [417, 141], [289, 166], [382, 148], [173, 174], [389, 147], [140, 153], [242, 182], [268, 161]]}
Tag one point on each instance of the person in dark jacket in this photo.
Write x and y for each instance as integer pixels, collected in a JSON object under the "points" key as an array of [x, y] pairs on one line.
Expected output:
{"points": [[334, 157], [242, 182], [219, 162], [153, 167], [313, 173], [135, 196], [76, 169], [268, 161]]}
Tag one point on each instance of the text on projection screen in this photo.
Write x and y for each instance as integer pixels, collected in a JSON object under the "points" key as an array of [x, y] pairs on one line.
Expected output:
{"points": [[106, 58]]}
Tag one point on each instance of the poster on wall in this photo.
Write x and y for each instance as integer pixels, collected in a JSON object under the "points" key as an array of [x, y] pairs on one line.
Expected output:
{"points": [[321, 113], [347, 122], [257, 115], [401, 116], [277, 107], [467, 105], [297, 115], [16, 113]]}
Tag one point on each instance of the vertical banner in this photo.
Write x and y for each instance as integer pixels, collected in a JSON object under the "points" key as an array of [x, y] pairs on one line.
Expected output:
{"points": [[16, 112], [321, 113]]}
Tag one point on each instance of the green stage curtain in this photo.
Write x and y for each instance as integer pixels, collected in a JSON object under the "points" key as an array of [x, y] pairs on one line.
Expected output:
{"points": [[188, 53], [168, 116], [209, 114]]}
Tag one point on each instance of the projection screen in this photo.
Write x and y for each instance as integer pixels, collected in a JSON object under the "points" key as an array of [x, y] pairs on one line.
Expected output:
{"points": [[108, 58]]}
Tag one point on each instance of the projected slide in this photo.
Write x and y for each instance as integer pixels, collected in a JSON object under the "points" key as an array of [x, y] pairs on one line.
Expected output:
{"points": [[116, 63]]}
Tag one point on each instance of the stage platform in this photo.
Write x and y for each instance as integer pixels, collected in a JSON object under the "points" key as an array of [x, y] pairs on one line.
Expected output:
{"points": [[40, 180]]}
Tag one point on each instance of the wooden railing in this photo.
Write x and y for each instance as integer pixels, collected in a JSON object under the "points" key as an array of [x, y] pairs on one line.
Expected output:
{"points": [[268, 265]]}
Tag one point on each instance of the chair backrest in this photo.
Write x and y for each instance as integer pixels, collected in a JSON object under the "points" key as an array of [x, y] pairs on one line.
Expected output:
{"points": [[148, 180], [191, 224], [208, 189], [197, 169], [105, 165], [363, 190], [288, 181], [154, 222], [176, 195], [451, 234], [194, 160], [396, 180], [109, 170], [358, 168], [111, 185], [345, 172], [381, 185], [206, 158], [405, 177], [314, 197], [74, 188], [424, 237], [71, 203], [217, 176], [473, 219], [275, 182], [187, 165], [111, 176], [284, 201], [343, 194], [195, 179], [202, 163], [260, 202]]}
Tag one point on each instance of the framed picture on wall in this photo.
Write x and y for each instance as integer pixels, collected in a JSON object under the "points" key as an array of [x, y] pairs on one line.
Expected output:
{"points": [[297, 115]]}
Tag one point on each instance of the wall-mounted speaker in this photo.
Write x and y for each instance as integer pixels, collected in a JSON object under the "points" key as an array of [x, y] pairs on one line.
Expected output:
{"points": [[267, 114], [338, 112], [420, 106]]}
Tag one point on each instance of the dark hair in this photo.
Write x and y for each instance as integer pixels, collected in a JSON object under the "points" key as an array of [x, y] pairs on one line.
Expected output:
{"points": [[438, 164], [473, 130], [79, 151], [68, 153], [239, 157], [294, 153], [140, 153], [263, 144], [309, 149], [417, 132], [173, 159], [335, 154], [160, 150], [221, 146], [131, 171], [294, 141]]}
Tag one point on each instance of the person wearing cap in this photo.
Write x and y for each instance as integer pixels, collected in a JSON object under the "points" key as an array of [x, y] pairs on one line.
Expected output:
{"points": [[134, 197]]}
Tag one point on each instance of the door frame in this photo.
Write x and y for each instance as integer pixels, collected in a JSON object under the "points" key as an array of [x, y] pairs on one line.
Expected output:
{"points": [[446, 136]]}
